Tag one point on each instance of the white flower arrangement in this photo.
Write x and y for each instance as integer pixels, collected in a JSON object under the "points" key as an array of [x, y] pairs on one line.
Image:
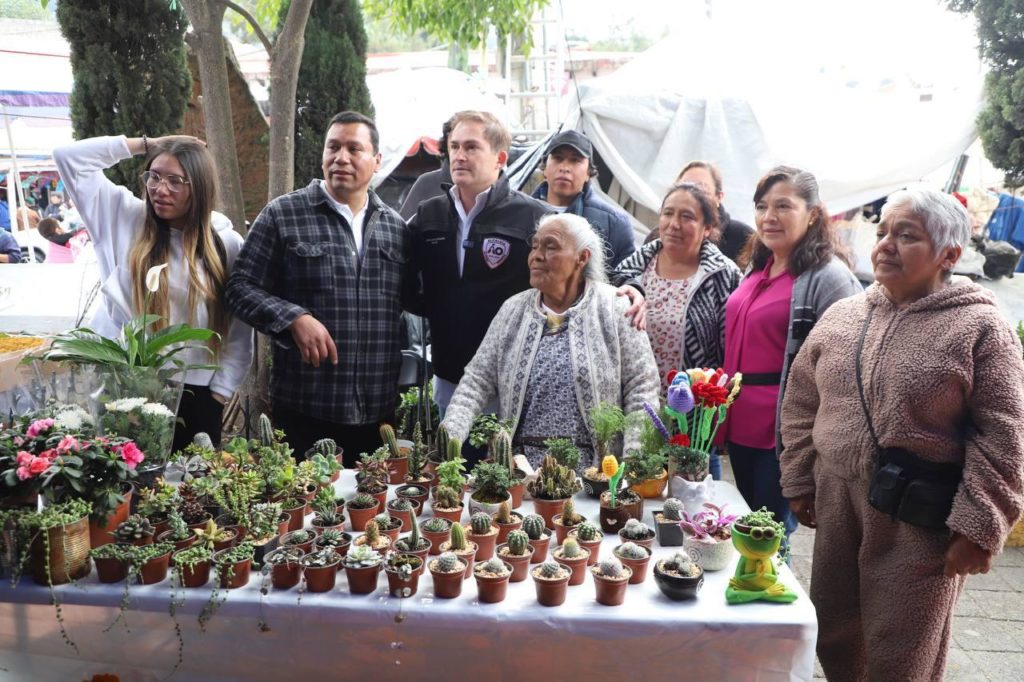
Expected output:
{"points": [[71, 418], [125, 404], [157, 410]]}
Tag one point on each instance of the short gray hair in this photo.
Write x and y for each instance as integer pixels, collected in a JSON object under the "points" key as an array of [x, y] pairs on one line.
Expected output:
{"points": [[945, 219], [586, 240]]}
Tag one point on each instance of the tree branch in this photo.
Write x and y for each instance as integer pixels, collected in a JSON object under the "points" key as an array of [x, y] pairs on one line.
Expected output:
{"points": [[252, 22]]}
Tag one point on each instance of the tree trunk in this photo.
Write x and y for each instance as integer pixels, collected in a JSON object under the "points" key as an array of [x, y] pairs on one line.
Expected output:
{"points": [[208, 42], [284, 77]]}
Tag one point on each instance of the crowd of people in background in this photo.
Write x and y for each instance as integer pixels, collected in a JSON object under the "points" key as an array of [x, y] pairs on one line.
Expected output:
{"points": [[49, 212], [542, 306]]}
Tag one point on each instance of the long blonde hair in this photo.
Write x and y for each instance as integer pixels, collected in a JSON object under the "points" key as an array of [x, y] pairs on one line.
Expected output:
{"points": [[203, 250]]}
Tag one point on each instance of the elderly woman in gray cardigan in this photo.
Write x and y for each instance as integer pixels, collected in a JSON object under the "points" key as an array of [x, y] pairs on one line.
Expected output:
{"points": [[914, 386], [558, 349]]}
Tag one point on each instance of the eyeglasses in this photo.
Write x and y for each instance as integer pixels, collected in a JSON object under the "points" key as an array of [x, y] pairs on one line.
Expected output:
{"points": [[175, 183]]}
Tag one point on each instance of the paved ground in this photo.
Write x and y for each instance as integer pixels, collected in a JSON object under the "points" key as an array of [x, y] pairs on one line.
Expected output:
{"points": [[988, 630]]}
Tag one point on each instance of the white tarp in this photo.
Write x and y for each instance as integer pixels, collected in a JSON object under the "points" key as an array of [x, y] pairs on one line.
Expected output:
{"points": [[867, 100]]}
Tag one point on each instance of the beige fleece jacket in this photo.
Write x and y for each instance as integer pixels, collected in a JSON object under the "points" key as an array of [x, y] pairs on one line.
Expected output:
{"points": [[943, 378]]}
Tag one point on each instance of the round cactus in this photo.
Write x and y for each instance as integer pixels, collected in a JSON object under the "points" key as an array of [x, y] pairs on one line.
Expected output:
{"points": [[631, 550], [518, 541], [446, 498], [401, 504], [266, 431], [372, 532], [202, 439], [326, 447], [533, 524], [571, 549], [413, 491], [672, 510], [458, 537], [588, 532], [448, 562], [494, 565], [362, 501], [610, 568], [383, 520], [635, 530], [480, 523], [436, 525], [550, 569], [680, 562]]}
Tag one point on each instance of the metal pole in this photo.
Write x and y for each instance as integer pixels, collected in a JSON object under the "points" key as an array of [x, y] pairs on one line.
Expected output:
{"points": [[15, 177]]}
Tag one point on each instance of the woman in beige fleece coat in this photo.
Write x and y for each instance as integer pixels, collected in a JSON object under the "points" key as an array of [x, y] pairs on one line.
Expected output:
{"points": [[943, 378], [558, 349]]}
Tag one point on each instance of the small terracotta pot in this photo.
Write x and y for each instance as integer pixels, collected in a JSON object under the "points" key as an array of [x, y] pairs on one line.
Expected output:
{"points": [[359, 517], [647, 542], [285, 576], [562, 531], [520, 564], [540, 549], [490, 589], [99, 532], [505, 528], [422, 553], [516, 490], [612, 520], [178, 544], [362, 580], [226, 542], [467, 555], [611, 591], [160, 526], [240, 578], [484, 543], [143, 541], [296, 516], [282, 523], [111, 570], [638, 566], [550, 592], [154, 570], [548, 509], [453, 515], [397, 586], [201, 524], [651, 488], [196, 576], [594, 546], [398, 467], [306, 546], [435, 540], [578, 566], [446, 585], [402, 491], [381, 497], [320, 529], [321, 578]]}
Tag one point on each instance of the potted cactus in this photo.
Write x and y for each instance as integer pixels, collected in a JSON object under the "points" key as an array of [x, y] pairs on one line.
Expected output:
{"points": [[539, 536], [550, 579], [492, 577], [414, 543], [234, 565], [325, 511], [336, 539], [517, 552], [320, 569], [373, 538], [418, 474], [610, 581], [461, 547], [491, 483], [388, 525], [636, 557], [362, 568], [501, 454], [483, 533], [403, 509], [327, 447], [436, 530], [414, 492], [448, 572], [285, 566], [554, 484], [638, 532], [361, 509], [135, 530], [447, 503], [573, 557], [302, 539], [566, 520], [295, 508], [679, 577], [398, 459], [178, 533], [590, 537], [709, 537], [403, 571], [667, 520], [507, 521]]}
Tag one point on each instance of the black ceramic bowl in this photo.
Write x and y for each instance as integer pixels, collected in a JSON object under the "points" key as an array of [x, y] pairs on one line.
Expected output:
{"points": [[676, 588]]}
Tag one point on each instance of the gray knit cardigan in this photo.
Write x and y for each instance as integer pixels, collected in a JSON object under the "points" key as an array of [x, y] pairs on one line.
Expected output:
{"points": [[611, 361]]}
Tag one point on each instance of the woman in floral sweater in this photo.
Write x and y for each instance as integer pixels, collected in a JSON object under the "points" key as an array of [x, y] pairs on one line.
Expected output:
{"points": [[915, 385]]}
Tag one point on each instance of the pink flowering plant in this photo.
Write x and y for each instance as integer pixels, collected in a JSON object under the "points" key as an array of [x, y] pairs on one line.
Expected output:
{"points": [[710, 525], [44, 455]]}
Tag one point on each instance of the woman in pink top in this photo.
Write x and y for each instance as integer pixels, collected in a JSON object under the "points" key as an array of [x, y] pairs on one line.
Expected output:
{"points": [[795, 272]]}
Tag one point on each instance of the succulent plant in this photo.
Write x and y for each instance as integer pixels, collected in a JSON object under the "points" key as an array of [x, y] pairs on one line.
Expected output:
{"points": [[494, 565], [411, 542], [610, 567], [285, 555], [387, 434], [501, 450], [550, 569], [372, 532], [436, 525], [331, 537], [446, 498], [412, 491], [326, 447], [325, 556], [518, 541], [202, 440], [504, 514], [362, 556], [401, 504], [135, 527], [571, 549], [480, 523], [587, 532], [362, 501], [266, 431], [680, 562], [458, 537], [554, 481], [325, 507], [635, 530], [533, 524], [300, 537], [672, 510], [191, 510], [631, 550], [386, 521], [448, 562], [179, 529], [454, 449], [442, 442], [569, 515]]}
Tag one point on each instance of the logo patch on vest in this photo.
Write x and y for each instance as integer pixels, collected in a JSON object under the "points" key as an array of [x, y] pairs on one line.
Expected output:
{"points": [[496, 251]]}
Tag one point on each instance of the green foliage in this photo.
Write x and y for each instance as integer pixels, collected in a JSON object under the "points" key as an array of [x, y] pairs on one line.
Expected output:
{"points": [[450, 473], [442, 442], [454, 450], [332, 537], [501, 451], [418, 453], [564, 451], [24, 9], [326, 447], [412, 541], [480, 523], [446, 497], [400, 504], [607, 422], [409, 412], [491, 481], [373, 471], [263, 520], [241, 552], [131, 77], [644, 466], [534, 527], [457, 536], [437, 524], [362, 556], [485, 427], [158, 501], [362, 501], [518, 541], [762, 518]]}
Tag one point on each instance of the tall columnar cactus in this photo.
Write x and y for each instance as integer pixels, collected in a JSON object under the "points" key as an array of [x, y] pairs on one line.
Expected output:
{"points": [[442, 442], [518, 541], [504, 514], [448, 562], [533, 524], [569, 515], [414, 533], [372, 533], [326, 447], [457, 536], [266, 431], [454, 450], [550, 569], [588, 532], [387, 434], [610, 567], [501, 450], [570, 549], [672, 510], [480, 523]]}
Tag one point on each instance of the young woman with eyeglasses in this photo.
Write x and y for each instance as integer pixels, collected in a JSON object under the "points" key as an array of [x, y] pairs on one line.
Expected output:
{"points": [[172, 223]]}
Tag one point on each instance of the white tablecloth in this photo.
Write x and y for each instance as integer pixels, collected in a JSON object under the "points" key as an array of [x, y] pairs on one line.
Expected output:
{"points": [[342, 636]]}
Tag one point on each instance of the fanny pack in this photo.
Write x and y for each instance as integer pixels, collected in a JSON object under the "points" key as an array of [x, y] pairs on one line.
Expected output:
{"points": [[903, 485]]}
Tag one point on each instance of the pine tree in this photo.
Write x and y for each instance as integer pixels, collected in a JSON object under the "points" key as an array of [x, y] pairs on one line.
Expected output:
{"points": [[130, 71], [332, 78]]}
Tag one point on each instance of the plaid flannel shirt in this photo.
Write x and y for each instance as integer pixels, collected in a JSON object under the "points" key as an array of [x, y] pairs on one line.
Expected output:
{"points": [[300, 257]]}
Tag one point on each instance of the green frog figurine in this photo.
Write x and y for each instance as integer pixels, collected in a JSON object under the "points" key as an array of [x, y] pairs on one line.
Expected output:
{"points": [[756, 578]]}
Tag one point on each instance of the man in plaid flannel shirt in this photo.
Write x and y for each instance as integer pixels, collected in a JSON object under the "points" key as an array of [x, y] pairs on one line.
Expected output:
{"points": [[321, 274]]}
